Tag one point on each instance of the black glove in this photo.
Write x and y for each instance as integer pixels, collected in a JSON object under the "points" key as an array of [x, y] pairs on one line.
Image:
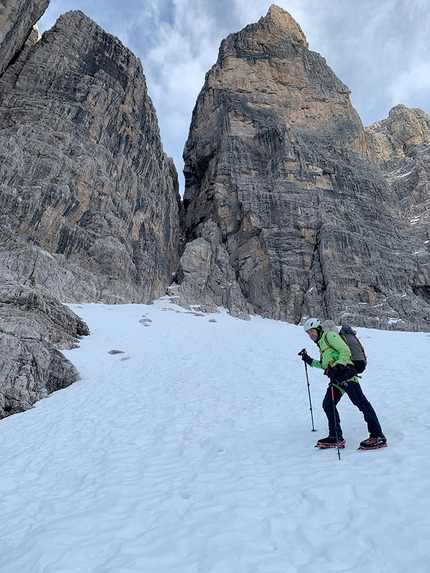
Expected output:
{"points": [[339, 373], [305, 357]]}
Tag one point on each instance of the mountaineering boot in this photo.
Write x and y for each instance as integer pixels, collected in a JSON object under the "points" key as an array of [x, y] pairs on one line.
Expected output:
{"points": [[373, 443], [330, 442]]}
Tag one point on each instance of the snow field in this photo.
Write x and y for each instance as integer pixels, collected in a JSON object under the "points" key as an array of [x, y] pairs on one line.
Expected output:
{"points": [[191, 451]]}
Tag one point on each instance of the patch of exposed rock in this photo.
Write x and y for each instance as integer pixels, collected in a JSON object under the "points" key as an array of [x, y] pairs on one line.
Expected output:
{"points": [[88, 198], [33, 327], [17, 19], [278, 160], [401, 148], [207, 278]]}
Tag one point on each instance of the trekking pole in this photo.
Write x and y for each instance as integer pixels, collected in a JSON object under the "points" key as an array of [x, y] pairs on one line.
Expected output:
{"points": [[309, 390], [335, 421]]}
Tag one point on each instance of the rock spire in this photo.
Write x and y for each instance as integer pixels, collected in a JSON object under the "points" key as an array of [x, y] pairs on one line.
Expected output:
{"points": [[277, 159]]}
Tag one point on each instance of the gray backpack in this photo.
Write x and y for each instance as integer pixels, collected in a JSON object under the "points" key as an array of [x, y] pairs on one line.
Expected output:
{"points": [[358, 354], [349, 336]]}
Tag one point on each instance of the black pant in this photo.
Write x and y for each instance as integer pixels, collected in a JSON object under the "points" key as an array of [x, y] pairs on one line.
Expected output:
{"points": [[355, 394]]}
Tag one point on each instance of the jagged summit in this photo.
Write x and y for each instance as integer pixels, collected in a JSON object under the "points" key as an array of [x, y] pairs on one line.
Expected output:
{"points": [[279, 20], [401, 148], [277, 29]]}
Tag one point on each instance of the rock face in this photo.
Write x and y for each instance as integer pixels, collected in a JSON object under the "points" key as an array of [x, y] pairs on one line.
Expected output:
{"points": [[401, 148], [16, 22], [88, 199], [32, 328], [207, 278], [278, 160]]}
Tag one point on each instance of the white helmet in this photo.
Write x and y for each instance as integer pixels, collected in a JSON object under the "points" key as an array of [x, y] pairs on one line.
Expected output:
{"points": [[311, 323]]}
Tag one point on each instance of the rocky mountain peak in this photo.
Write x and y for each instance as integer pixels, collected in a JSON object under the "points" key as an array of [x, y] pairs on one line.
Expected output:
{"points": [[401, 148], [84, 175], [278, 159], [405, 128], [277, 29], [279, 22]]}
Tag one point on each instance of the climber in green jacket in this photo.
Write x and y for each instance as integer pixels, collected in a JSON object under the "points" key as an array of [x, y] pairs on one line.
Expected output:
{"points": [[335, 360]]}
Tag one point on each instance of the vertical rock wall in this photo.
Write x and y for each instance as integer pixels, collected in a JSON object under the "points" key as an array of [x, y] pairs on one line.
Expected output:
{"points": [[17, 19], [88, 198], [279, 160], [401, 148]]}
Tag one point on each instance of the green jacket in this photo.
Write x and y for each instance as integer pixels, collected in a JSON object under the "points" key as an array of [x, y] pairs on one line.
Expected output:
{"points": [[333, 350]]}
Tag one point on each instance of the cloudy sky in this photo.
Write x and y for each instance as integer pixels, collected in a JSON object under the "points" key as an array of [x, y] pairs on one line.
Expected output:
{"points": [[379, 48]]}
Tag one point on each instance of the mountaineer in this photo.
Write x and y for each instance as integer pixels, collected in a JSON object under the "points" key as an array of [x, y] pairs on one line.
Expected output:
{"points": [[335, 360]]}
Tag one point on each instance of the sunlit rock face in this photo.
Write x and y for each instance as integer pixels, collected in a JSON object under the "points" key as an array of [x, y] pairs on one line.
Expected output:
{"points": [[278, 159]]}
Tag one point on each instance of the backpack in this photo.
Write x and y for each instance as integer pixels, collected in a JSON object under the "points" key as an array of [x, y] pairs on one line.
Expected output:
{"points": [[358, 355]]}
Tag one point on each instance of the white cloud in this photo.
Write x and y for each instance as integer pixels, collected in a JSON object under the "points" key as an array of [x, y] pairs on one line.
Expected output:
{"points": [[378, 48], [411, 86]]}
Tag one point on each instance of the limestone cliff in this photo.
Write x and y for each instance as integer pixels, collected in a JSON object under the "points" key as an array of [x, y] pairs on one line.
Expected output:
{"points": [[401, 148], [88, 199], [17, 19], [278, 159], [84, 177]]}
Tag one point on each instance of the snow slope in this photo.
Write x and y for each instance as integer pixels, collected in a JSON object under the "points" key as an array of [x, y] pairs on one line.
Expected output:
{"points": [[191, 451]]}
